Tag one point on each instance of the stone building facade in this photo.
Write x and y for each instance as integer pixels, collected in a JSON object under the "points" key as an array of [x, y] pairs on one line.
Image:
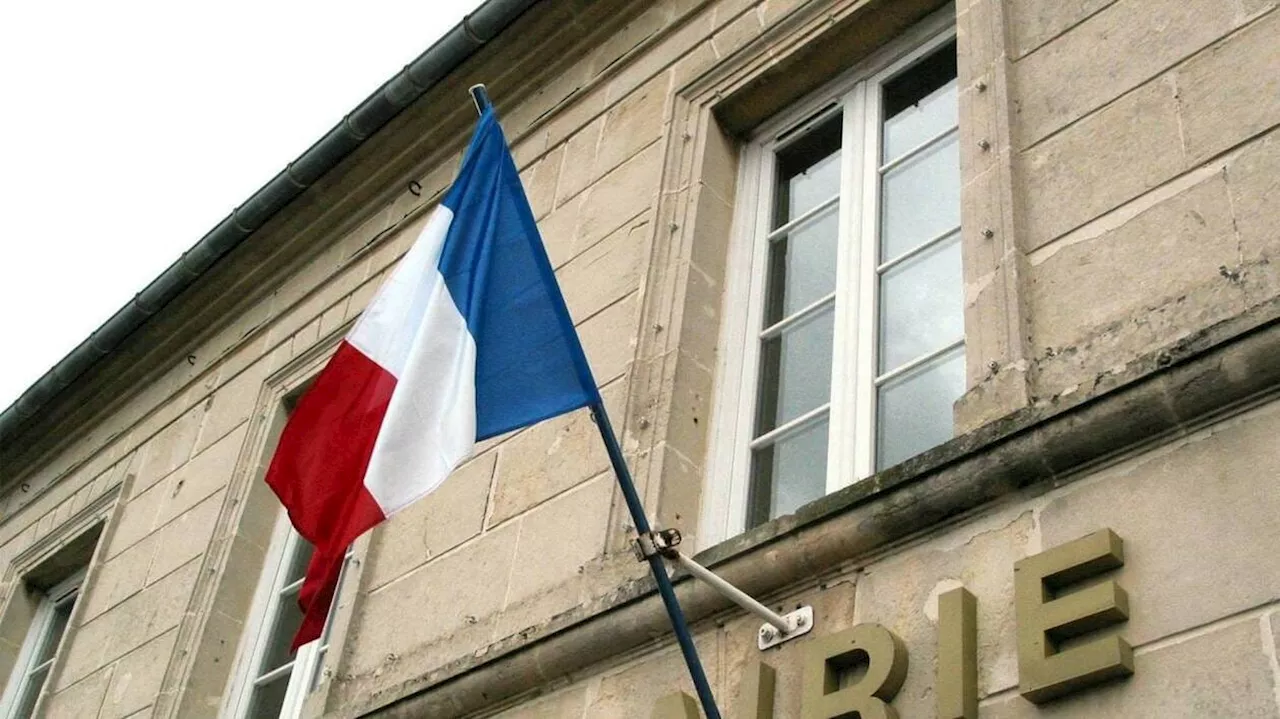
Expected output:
{"points": [[1079, 380]]}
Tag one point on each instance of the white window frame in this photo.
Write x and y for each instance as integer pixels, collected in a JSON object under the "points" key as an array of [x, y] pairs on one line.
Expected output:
{"points": [[308, 662], [850, 453], [65, 592]]}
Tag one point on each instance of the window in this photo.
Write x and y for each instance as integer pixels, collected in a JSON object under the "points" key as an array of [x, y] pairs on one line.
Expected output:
{"points": [[849, 353], [272, 681], [48, 625]]}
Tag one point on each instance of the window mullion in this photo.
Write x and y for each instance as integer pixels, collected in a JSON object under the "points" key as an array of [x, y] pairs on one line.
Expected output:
{"points": [[748, 390], [840, 440], [867, 285]]}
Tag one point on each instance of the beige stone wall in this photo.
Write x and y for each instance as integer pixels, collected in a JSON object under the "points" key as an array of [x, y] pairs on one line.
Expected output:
{"points": [[1142, 136], [1124, 155], [1197, 516]]}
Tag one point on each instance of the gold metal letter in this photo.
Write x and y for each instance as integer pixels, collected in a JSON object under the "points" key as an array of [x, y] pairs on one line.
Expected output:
{"points": [[676, 706], [1047, 617], [957, 655], [757, 692], [885, 658]]}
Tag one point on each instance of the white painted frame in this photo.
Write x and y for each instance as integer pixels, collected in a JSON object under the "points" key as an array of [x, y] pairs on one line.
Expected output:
{"points": [[850, 453], [66, 591], [306, 665]]}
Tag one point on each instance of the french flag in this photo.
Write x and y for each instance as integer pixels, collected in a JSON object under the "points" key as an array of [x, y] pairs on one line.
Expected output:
{"points": [[468, 338]]}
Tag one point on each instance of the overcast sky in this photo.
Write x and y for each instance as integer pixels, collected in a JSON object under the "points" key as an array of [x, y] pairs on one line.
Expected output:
{"points": [[130, 128]]}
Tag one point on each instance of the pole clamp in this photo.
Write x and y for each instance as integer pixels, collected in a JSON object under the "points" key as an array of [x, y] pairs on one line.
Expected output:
{"points": [[662, 542]]}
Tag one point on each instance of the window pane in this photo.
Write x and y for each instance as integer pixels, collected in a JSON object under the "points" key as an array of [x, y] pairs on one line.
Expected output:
{"points": [[808, 171], [268, 699], [921, 199], [920, 103], [57, 627], [788, 474], [795, 371], [26, 703], [287, 620], [802, 266], [298, 562], [921, 304], [915, 409]]}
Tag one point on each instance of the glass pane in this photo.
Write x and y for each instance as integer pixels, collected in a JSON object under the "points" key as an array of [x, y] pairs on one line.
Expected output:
{"points": [[920, 103], [268, 699], [915, 409], [795, 371], [298, 562], [802, 267], [808, 171], [921, 199], [26, 703], [57, 627], [287, 620], [788, 474], [921, 305]]}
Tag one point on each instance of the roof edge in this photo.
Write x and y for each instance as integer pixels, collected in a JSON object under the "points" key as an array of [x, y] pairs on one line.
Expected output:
{"points": [[374, 112]]}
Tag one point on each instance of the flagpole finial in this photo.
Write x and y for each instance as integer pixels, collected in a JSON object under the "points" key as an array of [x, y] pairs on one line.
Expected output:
{"points": [[480, 96]]}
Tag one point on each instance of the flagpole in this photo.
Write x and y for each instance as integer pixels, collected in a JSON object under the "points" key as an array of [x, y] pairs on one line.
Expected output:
{"points": [[656, 564], [481, 99]]}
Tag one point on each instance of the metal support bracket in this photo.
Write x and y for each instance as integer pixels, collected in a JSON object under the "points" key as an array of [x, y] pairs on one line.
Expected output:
{"points": [[799, 623], [661, 542]]}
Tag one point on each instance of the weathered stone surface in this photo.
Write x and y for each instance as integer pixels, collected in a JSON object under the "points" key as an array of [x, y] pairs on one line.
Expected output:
{"points": [[630, 36], [232, 404], [80, 700], [1221, 673], [1231, 91], [558, 538], [1273, 624], [564, 704], [205, 474], [1032, 23], [1197, 525], [618, 196], [579, 171], [736, 33], [128, 625], [687, 386], [119, 578], [559, 233], [609, 338], [540, 182], [680, 482], [901, 593], [136, 678], [1254, 181], [632, 124], [714, 225], [444, 596], [1166, 254], [169, 449], [1099, 163], [1107, 55], [549, 458], [633, 690], [607, 271], [435, 524], [186, 537], [138, 520]]}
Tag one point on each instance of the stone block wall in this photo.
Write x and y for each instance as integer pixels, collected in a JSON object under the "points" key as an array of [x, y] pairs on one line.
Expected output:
{"points": [[1196, 517]]}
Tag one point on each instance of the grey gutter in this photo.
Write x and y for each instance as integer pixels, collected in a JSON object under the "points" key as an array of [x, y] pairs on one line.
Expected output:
{"points": [[419, 76]]}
